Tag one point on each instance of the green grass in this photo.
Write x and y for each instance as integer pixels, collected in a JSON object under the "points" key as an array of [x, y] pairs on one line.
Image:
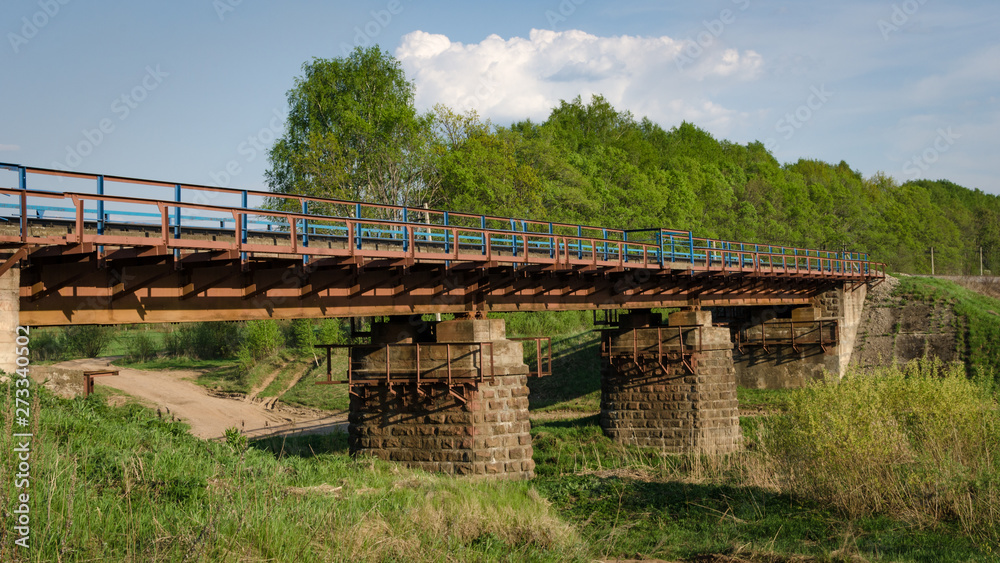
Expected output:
{"points": [[575, 384], [673, 519], [629, 502], [307, 393], [119, 346], [182, 363], [118, 484]]}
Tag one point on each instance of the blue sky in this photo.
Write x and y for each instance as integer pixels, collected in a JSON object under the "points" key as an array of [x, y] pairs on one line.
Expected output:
{"points": [[194, 90]]}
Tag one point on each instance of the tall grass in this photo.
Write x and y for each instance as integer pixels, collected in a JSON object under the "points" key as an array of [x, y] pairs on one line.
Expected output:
{"points": [[546, 323], [918, 442], [119, 484]]}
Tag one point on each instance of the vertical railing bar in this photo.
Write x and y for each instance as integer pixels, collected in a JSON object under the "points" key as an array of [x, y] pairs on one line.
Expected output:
{"points": [[485, 235], [177, 211], [79, 219], [447, 247], [357, 217], [22, 180], [305, 223], [691, 247]]}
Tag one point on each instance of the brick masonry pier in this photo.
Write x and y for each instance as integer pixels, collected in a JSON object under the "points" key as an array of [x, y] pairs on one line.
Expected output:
{"points": [[475, 425], [672, 387]]}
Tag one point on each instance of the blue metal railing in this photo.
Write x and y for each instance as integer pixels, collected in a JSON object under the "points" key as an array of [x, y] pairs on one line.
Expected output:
{"points": [[665, 248]]}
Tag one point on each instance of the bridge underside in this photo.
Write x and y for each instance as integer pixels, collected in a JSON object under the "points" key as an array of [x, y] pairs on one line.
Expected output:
{"points": [[76, 284]]}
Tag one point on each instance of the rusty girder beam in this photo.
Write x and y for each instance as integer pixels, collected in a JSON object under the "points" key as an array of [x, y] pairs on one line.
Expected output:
{"points": [[155, 288]]}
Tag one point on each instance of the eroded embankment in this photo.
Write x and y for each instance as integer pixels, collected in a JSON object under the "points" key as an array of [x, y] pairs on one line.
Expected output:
{"points": [[899, 328]]}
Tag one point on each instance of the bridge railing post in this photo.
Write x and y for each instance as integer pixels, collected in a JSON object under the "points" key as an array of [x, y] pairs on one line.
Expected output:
{"points": [[406, 238], [100, 205], [357, 228], [305, 228], [659, 247], [447, 243]]}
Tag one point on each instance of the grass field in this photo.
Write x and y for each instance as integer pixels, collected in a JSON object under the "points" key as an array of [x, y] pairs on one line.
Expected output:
{"points": [[118, 484]]}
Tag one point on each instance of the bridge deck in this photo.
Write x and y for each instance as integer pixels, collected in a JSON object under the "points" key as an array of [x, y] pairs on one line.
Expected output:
{"points": [[245, 238]]}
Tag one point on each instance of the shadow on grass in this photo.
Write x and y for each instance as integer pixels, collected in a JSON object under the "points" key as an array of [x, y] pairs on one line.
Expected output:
{"points": [[576, 372], [591, 420], [307, 446], [675, 519]]}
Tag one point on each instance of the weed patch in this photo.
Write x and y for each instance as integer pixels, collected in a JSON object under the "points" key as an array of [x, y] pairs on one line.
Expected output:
{"points": [[916, 442]]}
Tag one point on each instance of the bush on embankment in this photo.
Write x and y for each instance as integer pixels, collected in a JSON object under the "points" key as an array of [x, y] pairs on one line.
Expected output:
{"points": [[918, 442]]}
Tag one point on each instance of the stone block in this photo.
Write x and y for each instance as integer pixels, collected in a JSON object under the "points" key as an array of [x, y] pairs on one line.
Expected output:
{"points": [[806, 314], [471, 330], [690, 318]]}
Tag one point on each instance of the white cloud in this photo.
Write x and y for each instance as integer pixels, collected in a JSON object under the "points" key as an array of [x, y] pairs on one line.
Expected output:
{"points": [[9, 147], [512, 79]]}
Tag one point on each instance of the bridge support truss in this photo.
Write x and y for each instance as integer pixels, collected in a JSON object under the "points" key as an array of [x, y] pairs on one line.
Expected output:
{"points": [[672, 387], [455, 401]]}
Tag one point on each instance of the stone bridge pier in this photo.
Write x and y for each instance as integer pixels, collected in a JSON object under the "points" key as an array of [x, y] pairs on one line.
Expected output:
{"points": [[453, 399], [786, 347], [670, 386], [10, 307]]}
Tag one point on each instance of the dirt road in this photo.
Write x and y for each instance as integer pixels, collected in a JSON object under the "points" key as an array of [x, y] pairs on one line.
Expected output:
{"points": [[175, 394]]}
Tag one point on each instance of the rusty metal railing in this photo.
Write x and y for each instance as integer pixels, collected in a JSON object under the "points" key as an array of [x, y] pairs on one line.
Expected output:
{"points": [[408, 371], [540, 369], [796, 342], [687, 355], [322, 227]]}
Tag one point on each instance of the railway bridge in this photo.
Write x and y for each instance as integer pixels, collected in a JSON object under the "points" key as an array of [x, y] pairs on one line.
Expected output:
{"points": [[441, 395]]}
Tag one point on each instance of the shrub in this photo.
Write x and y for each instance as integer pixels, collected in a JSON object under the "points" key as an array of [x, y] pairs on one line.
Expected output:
{"points": [[175, 343], [140, 346], [88, 341], [236, 439], [258, 340], [47, 344], [915, 441], [331, 331], [211, 340], [301, 335]]}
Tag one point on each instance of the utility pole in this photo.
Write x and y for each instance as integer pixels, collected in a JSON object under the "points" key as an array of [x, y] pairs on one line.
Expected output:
{"points": [[932, 260], [980, 261]]}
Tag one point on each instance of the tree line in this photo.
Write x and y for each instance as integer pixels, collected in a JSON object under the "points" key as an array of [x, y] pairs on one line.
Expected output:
{"points": [[353, 133]]}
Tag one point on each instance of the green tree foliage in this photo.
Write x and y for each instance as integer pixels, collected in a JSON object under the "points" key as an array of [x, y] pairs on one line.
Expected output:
{"points": [[479, 168], [258, 340], [301, 335], [353, 133]]}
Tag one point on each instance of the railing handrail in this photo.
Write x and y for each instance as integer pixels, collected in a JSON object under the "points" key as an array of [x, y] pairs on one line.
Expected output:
{"points": [[732, 255]]}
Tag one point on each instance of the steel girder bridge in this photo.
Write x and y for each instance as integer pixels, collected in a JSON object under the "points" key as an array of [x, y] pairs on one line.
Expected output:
{"points": [[99, 249]]}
